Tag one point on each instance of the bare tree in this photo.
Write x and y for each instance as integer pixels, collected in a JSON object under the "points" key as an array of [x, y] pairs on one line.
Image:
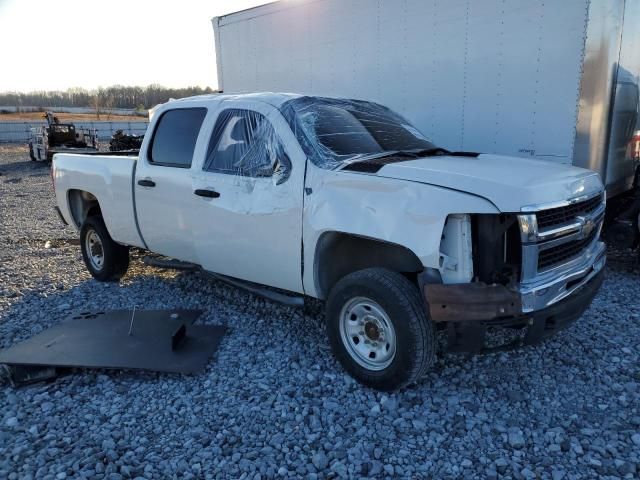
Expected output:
{"points": [[108, 106], [96, 104], [120, 96]]}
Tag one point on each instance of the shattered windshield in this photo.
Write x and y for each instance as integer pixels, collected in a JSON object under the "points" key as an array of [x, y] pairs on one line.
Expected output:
{"points": [[337, 132]]}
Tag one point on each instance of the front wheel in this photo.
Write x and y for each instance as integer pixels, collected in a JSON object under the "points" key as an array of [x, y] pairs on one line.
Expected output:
{"points": [[379, 330], [106, 260]]}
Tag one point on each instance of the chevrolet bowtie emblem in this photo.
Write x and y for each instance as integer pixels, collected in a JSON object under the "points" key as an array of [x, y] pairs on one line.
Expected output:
{"points": [[588, 226]]}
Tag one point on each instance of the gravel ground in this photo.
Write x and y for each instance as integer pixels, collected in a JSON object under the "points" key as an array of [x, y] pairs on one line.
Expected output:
{"points": [[276, 404]]}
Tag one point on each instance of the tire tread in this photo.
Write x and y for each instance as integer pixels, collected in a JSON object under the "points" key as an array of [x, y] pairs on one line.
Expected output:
{"points": [[116, 255], [407, 296]]}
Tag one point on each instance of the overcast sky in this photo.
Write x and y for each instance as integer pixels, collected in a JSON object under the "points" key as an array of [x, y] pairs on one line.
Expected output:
{"points": [[57, 44]]}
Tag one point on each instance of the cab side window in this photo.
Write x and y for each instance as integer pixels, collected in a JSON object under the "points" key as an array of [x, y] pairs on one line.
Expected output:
{"points": [[175, 136], [244, 143]]}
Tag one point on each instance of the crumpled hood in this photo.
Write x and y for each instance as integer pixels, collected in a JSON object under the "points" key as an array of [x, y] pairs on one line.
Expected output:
{"points": [[510, 183]]}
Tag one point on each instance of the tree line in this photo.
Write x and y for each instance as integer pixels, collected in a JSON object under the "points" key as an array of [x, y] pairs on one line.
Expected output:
{"points": [[115, 96]]}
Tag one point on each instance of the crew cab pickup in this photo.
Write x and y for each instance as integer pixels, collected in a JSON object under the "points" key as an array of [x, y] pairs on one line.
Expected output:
{"points": [[346, 201]]}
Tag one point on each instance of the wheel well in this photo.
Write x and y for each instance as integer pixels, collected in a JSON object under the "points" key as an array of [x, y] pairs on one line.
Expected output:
{"points": [[339, 254], [82, 204]]}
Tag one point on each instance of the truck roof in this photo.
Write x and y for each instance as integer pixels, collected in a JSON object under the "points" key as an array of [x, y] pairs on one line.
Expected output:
{"points": [[275, 99]]}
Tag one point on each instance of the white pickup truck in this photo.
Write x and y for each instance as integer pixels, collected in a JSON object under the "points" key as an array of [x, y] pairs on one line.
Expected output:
{"points": [[345, 201]]}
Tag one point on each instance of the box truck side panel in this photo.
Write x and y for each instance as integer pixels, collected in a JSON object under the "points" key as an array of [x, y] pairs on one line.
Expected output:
{"points": [[498, 76], [235, 56], [602, 51], [499, 68], [435, 45], [559, 40], [356, 61], [621, 158]]}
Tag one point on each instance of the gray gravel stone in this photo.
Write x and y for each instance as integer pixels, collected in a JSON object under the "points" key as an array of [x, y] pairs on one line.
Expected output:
{"points": [[12, 422], [320, 461], [516, 440]]}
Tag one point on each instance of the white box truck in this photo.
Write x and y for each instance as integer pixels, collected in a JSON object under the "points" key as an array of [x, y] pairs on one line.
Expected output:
{"points": [[549, 79]]}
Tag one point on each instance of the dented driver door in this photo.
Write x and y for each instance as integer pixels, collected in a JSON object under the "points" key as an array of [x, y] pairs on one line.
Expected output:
{"points": [[249, 187]]}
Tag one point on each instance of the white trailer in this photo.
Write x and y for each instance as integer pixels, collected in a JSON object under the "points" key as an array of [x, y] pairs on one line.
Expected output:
{"points": [[550, 79]]}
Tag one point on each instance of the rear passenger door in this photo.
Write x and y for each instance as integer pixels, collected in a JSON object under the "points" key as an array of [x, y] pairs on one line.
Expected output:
{"points": [[163, 183], [249, 214]]}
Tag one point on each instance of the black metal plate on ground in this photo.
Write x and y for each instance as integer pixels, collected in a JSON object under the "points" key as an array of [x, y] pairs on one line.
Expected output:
{"points": [[101, 340]]}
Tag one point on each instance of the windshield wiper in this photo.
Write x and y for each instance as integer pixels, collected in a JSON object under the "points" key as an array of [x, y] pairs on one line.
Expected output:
{"points": [[367, 157], [433, 152], [402, 155], [428, 152]]}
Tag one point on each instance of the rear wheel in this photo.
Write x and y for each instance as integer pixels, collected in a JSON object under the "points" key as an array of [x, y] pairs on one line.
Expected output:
{"points": [[32, 154], [106, 260], [379, 330]]}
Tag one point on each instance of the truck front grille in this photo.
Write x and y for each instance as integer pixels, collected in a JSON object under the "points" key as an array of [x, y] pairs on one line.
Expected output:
{"points": [[562, 215], [557, 237], [563, 253]]}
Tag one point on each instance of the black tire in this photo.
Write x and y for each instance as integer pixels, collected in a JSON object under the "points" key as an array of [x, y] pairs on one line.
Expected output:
{"points": [[414, 332], [32, 154], [115, 257]]}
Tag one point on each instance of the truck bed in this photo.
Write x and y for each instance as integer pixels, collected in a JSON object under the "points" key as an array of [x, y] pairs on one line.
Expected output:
{"points": [[109, 178]]}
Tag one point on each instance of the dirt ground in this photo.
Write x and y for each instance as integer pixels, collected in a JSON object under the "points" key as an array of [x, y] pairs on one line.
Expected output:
{"points": [[70, 117]]}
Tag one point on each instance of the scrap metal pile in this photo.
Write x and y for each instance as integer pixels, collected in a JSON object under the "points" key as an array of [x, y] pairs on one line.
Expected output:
{"points": [[121, 141]]}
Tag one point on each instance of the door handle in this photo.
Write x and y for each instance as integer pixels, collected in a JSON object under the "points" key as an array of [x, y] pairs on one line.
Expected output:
{"points": [[207, 193], [146, 183]]}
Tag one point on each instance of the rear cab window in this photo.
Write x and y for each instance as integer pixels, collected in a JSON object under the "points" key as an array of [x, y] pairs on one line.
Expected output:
{"points": [[174, 138]]}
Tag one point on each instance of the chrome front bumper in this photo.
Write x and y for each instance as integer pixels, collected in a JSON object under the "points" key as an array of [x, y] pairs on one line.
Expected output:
{"points": [[473, 302], [542, 286], [544, 280], [550, 288]]}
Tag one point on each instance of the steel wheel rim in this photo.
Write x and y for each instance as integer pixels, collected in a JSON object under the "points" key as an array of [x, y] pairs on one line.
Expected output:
{"points": [[95, 250], [367, 333]]}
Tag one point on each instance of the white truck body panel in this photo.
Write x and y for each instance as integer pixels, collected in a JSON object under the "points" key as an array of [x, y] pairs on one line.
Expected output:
{"points": [[166, 226], [509, 187], [262, 219], [107, 178], [515, 77], [221, 235], [395, 211]]}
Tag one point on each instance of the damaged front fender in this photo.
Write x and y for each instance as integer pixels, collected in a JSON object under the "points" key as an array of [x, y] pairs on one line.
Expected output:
{"points": [[399, 212]]}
